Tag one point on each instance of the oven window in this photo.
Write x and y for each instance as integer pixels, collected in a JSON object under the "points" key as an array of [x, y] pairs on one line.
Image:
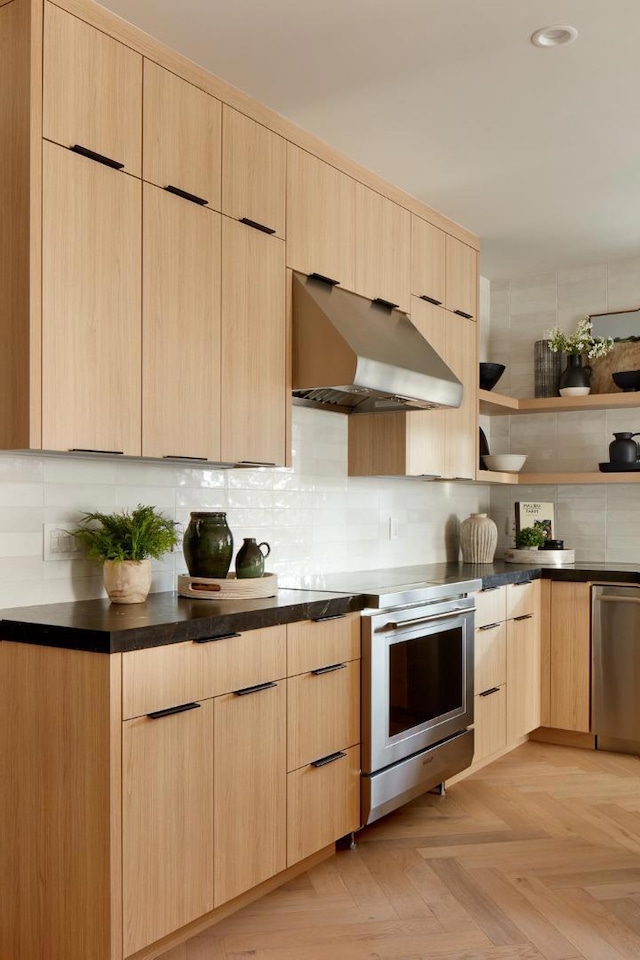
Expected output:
{"points": [[425, 679]]}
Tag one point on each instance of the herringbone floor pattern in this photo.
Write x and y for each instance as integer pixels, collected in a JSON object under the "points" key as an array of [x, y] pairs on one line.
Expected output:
{"points": [[536, 857]]}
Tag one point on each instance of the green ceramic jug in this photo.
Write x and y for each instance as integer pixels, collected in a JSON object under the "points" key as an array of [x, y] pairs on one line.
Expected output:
{"points": [[208, 545], [250, 559]]}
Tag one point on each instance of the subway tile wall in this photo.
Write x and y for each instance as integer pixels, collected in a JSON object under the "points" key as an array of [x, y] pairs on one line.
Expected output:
{"points": [[315, 517], [601, 522]]}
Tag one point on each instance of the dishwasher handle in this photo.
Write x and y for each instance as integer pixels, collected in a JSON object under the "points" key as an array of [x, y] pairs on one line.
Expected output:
{"points": [[612, 598]]}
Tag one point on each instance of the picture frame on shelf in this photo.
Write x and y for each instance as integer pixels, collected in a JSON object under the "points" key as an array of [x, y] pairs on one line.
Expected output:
{"points": [[530, 513]]}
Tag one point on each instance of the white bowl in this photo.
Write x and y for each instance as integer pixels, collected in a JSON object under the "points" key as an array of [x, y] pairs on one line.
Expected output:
{"points": [[504, 462], [575, 391]]}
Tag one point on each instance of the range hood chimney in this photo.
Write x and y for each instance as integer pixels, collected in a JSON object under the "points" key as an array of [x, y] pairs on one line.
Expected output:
{"points": [[354, 355]]}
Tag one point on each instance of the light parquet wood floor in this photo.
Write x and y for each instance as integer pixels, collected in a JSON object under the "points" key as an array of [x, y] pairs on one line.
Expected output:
{"points": [[535, 857]]}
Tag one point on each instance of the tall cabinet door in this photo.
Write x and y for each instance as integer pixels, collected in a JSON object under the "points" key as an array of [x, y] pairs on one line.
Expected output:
{"points": [[383, 248], [253, 172], [92, 91], [250, 788], [254, 348], [167, 822], [462, 278], [91, 316], [426, 430], [428, 245], [181, 328], [462, 422], [523, 676]]}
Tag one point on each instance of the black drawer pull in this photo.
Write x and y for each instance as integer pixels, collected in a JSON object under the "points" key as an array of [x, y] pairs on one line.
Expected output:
{"points": [[438, 303], [98, 157], [489, 626], [323, 279], [258, 687], [186, 196], [179, 456], [255, 463], [521, 583], [223, 636], [385, 303], [487, 693], [461, 313], [323, 761], [334, 666], [330, 616], [488, 589], [182, 708], [526, 616], [257, 226], [119, 453]]}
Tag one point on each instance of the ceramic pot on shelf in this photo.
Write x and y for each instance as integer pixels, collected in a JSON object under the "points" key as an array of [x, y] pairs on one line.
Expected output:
{"points": [[478, 538], [208, 545], [624, 448], [575, 379], [250, 559]]}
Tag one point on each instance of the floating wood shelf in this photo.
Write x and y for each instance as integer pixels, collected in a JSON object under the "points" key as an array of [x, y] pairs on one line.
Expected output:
{"points": [[551, 479], [497, 404]]}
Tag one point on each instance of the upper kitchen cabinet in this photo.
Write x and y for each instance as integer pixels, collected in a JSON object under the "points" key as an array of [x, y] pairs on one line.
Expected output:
{"points": [[91, 316], [321, 212], [383, 249], [428, 246], [181, 328], [254, 373], [462, 278], [462, 422], [182, 136], [253, 173], [92, 91]]}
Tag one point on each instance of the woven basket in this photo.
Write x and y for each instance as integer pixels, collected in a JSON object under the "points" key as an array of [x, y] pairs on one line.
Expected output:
{"points": [[205, 588]]}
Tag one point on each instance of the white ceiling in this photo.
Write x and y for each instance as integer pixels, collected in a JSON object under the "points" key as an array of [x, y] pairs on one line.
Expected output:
{"points": [[535, 150]]}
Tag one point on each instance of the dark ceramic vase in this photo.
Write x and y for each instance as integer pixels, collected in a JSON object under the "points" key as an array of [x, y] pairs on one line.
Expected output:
{"points": [[624, 448], [250, 559], [574, 374], [208, 545]]}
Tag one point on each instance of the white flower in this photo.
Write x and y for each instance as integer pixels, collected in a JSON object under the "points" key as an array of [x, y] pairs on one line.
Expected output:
{"points": [[581, 342]]}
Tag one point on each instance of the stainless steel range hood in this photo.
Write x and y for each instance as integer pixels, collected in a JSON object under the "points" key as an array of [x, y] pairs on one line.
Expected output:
{"points": [[354, 355]]}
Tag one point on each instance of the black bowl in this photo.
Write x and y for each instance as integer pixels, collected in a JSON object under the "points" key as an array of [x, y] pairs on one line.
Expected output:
{"points": [[490, 373], [627, 380]]}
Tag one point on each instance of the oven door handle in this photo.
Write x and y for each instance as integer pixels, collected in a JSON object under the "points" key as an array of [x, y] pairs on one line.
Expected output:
{"points": [[450, 615]]}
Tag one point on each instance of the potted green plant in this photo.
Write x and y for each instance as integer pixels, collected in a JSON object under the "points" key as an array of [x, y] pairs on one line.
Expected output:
{"points": [[575, 379], [125, 543], [529, 538]]}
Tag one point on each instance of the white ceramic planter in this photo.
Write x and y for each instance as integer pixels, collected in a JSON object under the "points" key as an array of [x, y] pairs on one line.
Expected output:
{"points": [[478, 538], [127, 581]]}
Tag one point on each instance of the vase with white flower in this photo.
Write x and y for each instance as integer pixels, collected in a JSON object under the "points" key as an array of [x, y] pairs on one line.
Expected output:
{"points": [[575, 380]]}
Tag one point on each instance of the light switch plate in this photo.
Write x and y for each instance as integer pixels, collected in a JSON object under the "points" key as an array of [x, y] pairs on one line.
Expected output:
{"points": [[58, 544]]}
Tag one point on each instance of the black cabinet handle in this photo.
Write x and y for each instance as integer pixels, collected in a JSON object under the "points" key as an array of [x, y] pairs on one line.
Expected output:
{"points": [[119, 453], [334, 666], [487, 693], [385, 303], [255, 463], [461, 313], [526, 616], [186, 196], [257, 226], [179, 456], [521, 583], [258, 687], [438, 303], [488, 589], [223, 636], [330, 758], [489, 626], [182, 708], [98, 157], [323, 279], [330, 616]]}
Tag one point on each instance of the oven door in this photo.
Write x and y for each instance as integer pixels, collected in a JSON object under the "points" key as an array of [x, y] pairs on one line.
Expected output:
{"points": [[417, 680]]}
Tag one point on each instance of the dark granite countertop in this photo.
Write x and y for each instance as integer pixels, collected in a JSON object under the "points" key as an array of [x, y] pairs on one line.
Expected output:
{"points": [[102, 627]]}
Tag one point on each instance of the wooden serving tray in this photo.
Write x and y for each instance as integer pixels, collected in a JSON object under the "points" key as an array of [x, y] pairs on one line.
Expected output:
{"points": [[540, 558], [229, 588]]}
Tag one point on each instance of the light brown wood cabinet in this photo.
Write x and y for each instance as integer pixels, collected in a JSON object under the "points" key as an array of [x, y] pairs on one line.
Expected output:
{"points": [[490, 714], [167, 823], [490, 656], [254, 373], [181, 398], [439, 443], [523, 675], [570, 657], [461, 278], [92, 90], [253, 172], [428, 246], [383, 249], [182, 136], [321, 218], [91, 293]]}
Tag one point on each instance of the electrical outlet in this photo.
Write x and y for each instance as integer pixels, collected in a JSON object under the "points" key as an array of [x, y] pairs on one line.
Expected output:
{"points": [[393, 528], [59, 544]]}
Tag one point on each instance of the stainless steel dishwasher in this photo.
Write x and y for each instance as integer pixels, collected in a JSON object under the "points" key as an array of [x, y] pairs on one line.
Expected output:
{"points": [[615, 674]]}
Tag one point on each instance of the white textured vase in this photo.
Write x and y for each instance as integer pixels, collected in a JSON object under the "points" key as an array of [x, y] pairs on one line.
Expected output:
{"points": [[478, 538], [127, 581]]}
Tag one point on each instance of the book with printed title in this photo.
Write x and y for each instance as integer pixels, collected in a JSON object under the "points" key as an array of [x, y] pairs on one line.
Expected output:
{"points": [[535, 514]]}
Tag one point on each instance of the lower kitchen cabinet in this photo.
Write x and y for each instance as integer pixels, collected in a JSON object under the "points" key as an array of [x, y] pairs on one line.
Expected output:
{"points": [[250, 788], [490, 715], [523, 676], [324, 712], [570, 656], [167, 822]]}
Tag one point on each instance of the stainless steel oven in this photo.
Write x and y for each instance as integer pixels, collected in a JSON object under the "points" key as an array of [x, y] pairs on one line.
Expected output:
{"points": [[417, 696]]}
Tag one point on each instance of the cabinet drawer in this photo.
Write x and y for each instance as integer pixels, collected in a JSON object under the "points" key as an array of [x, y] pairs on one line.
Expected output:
{"points": [[323, 713], [490, 656], [490, 713], [318, 643], [522, 598], [491, 606], [323, 804], [162, 677]]}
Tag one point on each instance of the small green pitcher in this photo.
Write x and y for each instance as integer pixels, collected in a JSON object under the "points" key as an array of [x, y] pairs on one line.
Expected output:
{"points": [[250, 559]]}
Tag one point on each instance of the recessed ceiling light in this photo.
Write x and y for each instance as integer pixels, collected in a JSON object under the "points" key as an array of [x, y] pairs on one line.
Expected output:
{"points": [[554, 36]]}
